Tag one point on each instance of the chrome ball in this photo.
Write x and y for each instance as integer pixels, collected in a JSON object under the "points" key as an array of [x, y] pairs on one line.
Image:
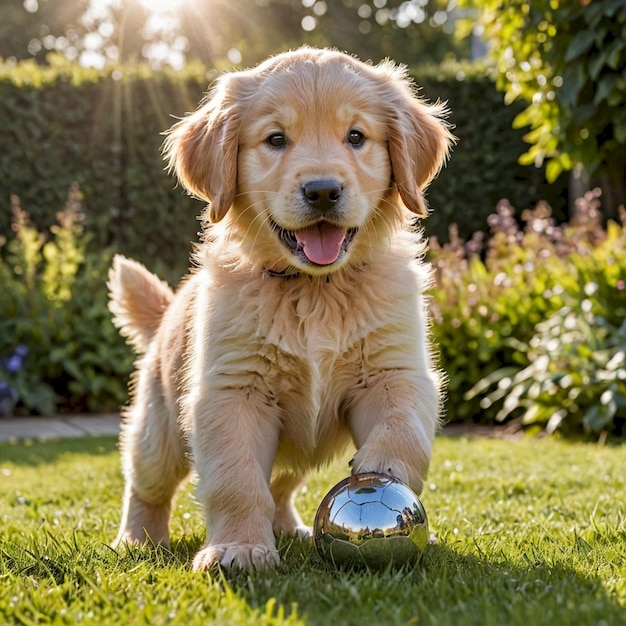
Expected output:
{"points": [[370, 520]]}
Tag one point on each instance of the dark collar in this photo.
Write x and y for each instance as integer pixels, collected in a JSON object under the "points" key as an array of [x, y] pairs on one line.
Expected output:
{"points": [[286, 274]]}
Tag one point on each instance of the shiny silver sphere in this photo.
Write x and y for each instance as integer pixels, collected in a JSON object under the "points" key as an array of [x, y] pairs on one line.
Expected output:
{"points": [[370, 520]]}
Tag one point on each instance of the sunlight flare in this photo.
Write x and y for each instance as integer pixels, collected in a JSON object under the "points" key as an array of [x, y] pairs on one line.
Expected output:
{"points": [[161, 6]]}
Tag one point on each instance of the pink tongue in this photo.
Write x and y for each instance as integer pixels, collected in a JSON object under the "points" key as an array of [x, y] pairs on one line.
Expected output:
{"points": [[321, 243]]}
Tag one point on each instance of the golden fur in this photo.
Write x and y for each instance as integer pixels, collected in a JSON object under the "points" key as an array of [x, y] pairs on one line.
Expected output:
{"points": [[303, 326]]}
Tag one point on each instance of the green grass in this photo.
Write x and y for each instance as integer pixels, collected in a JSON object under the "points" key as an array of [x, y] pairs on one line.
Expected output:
{"points": [[530, 533]]}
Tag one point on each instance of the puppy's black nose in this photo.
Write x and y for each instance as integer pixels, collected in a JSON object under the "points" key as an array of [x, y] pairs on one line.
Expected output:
{"points": [[322, 194]]}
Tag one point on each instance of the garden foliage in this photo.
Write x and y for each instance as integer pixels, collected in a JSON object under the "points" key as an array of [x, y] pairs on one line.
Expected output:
{"points": [[530, 320], [62, 123], [58, 348]]}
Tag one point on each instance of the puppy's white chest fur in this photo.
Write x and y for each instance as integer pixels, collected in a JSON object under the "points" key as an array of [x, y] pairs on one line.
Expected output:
{"points": [[310, 346], [310, 342]]}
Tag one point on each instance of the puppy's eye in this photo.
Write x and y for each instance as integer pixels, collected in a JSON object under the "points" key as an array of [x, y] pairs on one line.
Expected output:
{"points": [[356, 138], [276, 140]]}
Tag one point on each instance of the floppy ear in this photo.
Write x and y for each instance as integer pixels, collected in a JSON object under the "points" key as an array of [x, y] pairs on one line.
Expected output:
{"points": [[202, 149], [419, 144]]}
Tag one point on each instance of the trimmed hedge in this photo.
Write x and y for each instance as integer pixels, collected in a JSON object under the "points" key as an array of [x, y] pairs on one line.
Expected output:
{"points": [[103, 129]]}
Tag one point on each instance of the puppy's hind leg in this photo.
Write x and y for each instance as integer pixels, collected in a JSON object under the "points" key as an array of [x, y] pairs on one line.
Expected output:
{"points": [[286, 518], [154, 464]]}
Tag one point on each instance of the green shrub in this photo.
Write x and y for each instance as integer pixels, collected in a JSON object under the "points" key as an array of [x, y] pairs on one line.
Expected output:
{"points": [[575, 376], [531, 322], [58, 348]]}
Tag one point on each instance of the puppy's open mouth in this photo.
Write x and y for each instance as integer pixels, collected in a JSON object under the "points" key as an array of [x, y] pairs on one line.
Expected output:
{"points": [[321, 244]]}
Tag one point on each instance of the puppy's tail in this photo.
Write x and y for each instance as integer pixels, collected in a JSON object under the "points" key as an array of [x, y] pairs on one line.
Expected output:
{"points": [[138, 301]]}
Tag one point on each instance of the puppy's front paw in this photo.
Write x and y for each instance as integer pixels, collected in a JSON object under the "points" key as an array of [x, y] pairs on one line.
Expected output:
{"points": [[364, 462], [241, 556]]}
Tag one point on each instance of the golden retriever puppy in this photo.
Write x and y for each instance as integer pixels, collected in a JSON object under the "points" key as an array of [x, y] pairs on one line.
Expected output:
{"points": [[303, 325]]}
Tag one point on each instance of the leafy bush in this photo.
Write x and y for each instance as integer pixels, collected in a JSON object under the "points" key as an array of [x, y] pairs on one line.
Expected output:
{"points": [[575, 375], [531, 322], [58, 347], [566, 59]]}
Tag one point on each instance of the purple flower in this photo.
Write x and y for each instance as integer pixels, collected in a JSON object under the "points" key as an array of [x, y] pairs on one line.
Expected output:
{"points": [[8, 398], [13, 364]]}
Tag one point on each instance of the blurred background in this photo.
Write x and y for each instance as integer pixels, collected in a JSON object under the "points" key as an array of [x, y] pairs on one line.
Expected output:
{"points": [[225, 33]]}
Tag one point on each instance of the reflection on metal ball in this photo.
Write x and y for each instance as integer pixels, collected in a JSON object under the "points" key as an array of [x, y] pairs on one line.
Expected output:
{"points": [[370, 520]]}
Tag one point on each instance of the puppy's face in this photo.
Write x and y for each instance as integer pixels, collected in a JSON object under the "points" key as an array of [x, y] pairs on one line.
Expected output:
{"points": [[313, 165], [311, 157]]}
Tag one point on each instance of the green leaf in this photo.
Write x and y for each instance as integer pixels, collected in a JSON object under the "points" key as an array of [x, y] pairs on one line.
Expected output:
{"points": [[615, 54], [553, 170], [598, 417], [595, 65], [580, 45], [604, 88], [573, 80], [488, 381], [528, 158], [620, 133]]}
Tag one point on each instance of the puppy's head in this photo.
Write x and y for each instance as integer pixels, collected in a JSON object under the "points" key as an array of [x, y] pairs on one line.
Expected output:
{"points": [[311, 157]]}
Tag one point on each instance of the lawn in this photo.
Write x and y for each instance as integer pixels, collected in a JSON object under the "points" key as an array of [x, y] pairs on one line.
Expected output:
{"points": [[530, 532]]}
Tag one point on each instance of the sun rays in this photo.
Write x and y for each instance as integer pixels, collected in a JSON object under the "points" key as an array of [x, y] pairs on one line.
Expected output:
{"points": [[156, 24]]}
